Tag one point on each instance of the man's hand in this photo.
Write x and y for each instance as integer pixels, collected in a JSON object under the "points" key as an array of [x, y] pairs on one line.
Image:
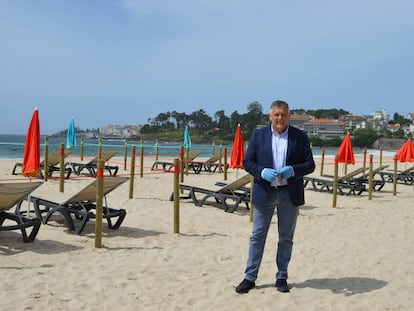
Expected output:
{"points": [[286, 172], [269, 174]]}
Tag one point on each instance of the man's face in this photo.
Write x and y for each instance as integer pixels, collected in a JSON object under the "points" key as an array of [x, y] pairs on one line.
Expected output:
{"points": [[279, 118]]}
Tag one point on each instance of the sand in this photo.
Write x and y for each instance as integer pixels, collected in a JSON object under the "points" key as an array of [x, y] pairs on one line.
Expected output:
{"points": [[356, 256]]}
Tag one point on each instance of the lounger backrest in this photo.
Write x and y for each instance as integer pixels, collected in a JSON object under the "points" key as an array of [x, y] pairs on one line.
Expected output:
{"points": [[12, 193], [194, 154], [238, 183], [406, 171], [379, 169], [53, 158], [105, 155], [374, 171], [351, 174], [88, 194], [214, 158]]}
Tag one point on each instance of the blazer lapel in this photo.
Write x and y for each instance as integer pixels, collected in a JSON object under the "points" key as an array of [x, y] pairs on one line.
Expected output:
{"points": [[291, 145]]}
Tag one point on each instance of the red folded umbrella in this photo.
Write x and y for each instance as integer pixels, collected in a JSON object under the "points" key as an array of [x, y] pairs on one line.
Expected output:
{"points": [[237, 151], [406, 152], [31, 155], [345, 151]]}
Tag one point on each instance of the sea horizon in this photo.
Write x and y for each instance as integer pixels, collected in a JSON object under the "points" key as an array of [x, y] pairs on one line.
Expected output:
{"points": [[12, 147]]}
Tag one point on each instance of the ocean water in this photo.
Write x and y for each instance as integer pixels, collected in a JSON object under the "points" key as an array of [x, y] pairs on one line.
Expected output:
{"points": [[12, 147]]}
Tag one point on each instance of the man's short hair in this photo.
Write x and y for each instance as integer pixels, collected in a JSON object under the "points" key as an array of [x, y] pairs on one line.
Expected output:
{"points": [[279, 104]]}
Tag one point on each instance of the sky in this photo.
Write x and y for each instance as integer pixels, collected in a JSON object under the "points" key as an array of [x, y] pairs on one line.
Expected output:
{"points": [[126, 61]]}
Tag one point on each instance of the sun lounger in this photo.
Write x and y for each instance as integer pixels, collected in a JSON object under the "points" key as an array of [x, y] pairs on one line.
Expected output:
{"points": [[210, 165], [344, 188], [351, 183], [377, 185], [345, 183], [53, 161], [235, 191], [80, 207], [13, 194], [168, 166], [92, 166], [406, 176]]}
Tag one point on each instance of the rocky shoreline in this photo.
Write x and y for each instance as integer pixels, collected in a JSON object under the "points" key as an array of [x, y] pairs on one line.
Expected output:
{"points": [[388, 143]]}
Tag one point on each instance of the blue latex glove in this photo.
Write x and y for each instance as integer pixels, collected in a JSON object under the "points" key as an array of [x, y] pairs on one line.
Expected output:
{"points": [[269, 174], [286, 172]]}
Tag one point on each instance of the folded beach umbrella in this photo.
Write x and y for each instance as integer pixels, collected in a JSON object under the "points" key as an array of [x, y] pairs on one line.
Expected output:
{"points": [[345, 151], [237, 151], [71, 136], [31, 155], [406, 152], [187, 138]]}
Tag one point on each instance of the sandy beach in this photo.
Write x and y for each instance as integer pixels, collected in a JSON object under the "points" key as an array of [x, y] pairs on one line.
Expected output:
{"points": [[357, 256]]}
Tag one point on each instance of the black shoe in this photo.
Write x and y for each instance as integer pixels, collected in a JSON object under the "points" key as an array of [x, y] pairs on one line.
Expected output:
{"points": [[245, 286], [282, 286]]}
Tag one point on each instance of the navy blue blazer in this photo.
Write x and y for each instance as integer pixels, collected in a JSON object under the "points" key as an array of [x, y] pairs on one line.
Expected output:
{"points": [[259, 156]]}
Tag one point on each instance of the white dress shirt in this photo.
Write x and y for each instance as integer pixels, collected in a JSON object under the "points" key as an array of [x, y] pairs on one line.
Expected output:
{"points": [[279, 150]]}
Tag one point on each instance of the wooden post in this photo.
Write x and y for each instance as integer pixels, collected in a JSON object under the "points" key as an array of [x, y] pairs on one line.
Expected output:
{"points": [[395, 177], [100, 148], [132, 172], [213, 149], [335, 184], [176, 196], [322, 160], [380, 161], [125, 154], [156, 153], [46, 159], [221, 160], [141, 169], [187, 162], [182, 163], [225, 163], [365, 157], [81, 148], [371, 163], [62, 168], [99, 204]]}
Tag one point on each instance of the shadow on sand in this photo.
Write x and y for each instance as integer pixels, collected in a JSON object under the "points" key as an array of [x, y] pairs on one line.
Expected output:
{"points": [[347, 286]]}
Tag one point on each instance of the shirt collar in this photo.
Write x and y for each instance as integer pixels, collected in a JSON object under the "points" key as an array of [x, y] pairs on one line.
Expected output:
{"points": [[284, 134]]}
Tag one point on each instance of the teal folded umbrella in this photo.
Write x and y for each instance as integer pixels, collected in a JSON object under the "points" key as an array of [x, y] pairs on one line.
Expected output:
{"points": [[187, 138], [71, 136]]}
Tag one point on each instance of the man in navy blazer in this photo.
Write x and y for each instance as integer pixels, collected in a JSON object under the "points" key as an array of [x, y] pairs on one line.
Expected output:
{"points": [[278, 156]]}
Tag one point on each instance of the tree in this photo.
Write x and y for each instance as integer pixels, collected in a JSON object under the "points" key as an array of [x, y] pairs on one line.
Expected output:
{"points": [[222, 121], [327, 113], [201, 120], [364, 137], [254, 117], [181, 119], [399, 119]]}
